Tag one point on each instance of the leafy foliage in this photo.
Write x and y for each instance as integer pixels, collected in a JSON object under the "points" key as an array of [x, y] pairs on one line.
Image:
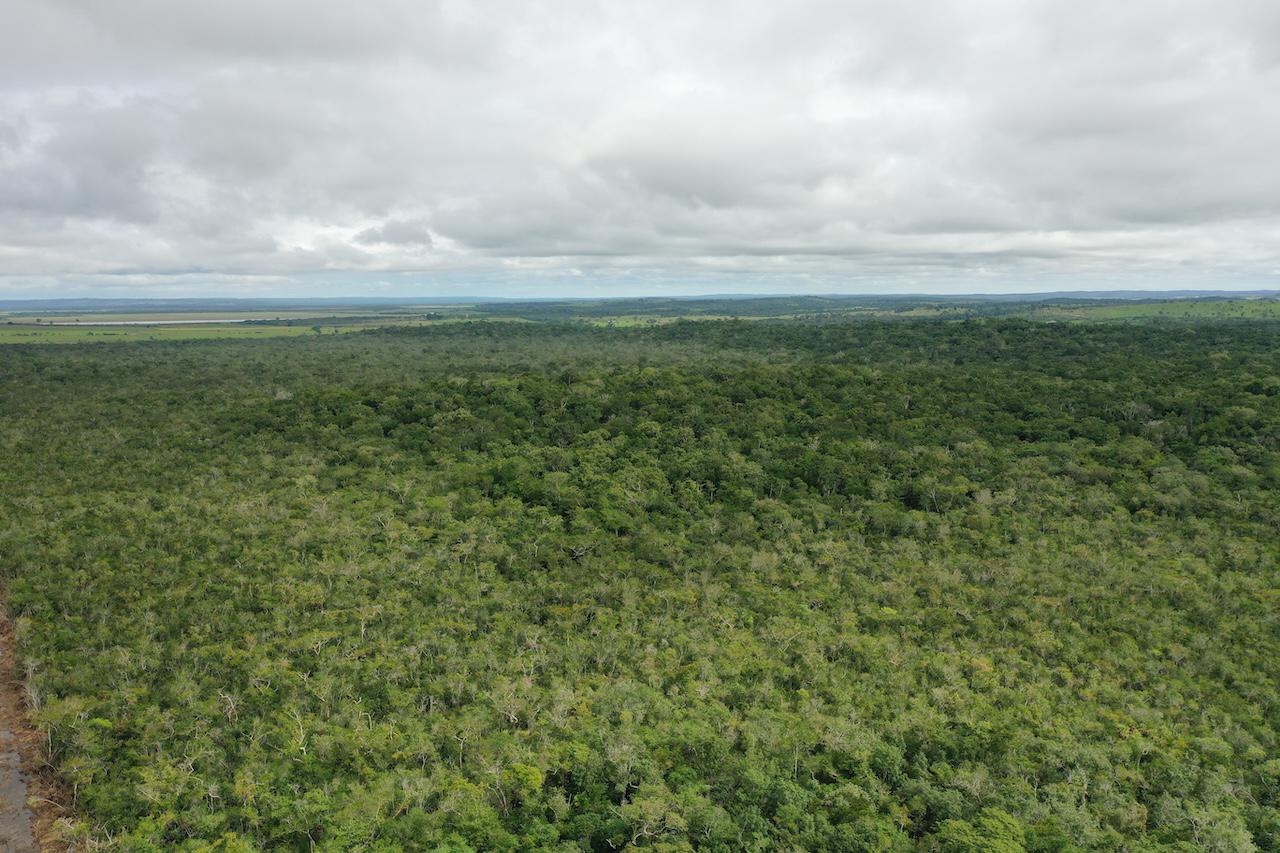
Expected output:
{"points": [[987, 585]]}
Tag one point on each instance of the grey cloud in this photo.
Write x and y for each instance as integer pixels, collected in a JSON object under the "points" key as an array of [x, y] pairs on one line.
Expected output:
{"points": [[831, 140], [91, 161], [395, 232], [67, 41]]}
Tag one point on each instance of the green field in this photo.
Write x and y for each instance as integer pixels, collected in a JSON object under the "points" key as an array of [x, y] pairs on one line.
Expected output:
{"points": [[90, 318], [30, 334], [31, 326]]}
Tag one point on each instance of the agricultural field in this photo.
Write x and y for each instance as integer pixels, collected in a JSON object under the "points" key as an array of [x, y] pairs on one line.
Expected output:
{"points": [[908, 585], [32, 334], [120, 327]]}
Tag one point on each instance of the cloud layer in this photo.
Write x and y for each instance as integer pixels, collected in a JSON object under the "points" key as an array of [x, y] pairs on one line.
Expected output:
{"points": [[606, 147]]}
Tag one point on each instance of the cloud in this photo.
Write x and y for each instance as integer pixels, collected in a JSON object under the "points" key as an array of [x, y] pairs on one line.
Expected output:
{"points": [[608, 146], [395, 232]]}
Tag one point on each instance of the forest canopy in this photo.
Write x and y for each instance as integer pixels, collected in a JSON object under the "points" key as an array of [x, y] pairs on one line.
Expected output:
{"points": [[988, 585]]}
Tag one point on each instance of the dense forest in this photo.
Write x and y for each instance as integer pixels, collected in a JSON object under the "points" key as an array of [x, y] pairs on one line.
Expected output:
{"points": [[987, 585]]}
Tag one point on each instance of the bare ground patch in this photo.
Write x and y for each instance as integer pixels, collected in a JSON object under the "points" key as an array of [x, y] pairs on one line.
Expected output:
{"points": [[25, 772]]}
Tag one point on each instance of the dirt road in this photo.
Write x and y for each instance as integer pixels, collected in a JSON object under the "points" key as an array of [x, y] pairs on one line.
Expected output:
{"points": [[31, 801], [17, 822]]}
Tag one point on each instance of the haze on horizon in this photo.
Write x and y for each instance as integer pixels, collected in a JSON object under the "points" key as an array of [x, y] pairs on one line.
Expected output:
{"points": [[608, 148]]}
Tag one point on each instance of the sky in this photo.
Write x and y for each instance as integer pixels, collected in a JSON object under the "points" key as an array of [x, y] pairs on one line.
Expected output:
{"points": [[408, 147]]}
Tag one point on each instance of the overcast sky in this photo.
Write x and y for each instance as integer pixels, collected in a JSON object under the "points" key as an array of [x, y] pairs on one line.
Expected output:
{"points": [[295, 147]]}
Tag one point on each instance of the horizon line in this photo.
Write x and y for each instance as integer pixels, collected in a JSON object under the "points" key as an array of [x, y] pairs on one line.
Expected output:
{"points": [[460, 298]]}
